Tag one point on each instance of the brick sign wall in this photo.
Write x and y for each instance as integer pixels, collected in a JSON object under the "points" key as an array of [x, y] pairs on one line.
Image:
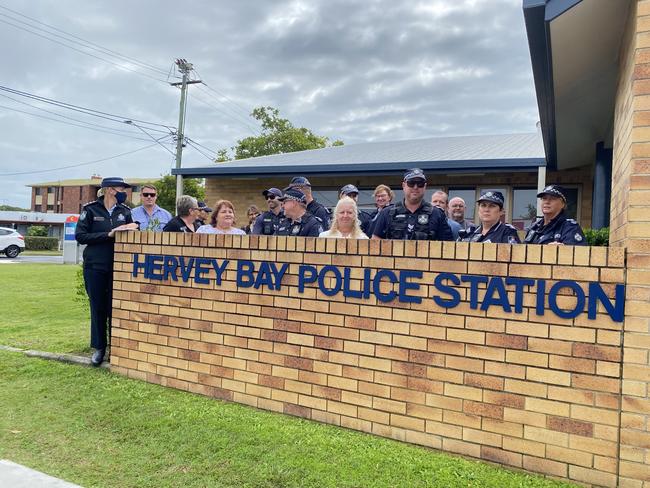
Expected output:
{"points": [[468, 348]]}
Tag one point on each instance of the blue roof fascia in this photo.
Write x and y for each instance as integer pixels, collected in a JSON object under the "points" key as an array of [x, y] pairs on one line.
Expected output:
{"points": [[451, 166], [538, 30], [538, 15]]}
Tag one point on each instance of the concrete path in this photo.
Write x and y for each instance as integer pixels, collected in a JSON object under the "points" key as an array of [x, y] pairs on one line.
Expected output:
{"points": [[14, 475], [31, 259]]}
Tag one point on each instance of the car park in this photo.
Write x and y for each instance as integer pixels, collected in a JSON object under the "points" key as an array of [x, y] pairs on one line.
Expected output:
{"points": [[12, 243]]}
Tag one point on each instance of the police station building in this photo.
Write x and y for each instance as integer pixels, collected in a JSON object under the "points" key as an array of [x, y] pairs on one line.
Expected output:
{"points": [[513, 164], [533, 356]]}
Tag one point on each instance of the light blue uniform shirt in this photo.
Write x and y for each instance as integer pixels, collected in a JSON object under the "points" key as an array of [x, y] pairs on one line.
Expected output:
{"points": [[155, 222]]}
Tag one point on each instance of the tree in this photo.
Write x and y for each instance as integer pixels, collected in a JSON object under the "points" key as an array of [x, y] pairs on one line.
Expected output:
{"points": [[37, 231], [278, 136], [11, 208], [167, 191]]}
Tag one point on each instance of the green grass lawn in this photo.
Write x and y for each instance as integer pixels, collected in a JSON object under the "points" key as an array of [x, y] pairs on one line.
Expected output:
{"points": [[42, 253], [38, 311], [96, 428]]}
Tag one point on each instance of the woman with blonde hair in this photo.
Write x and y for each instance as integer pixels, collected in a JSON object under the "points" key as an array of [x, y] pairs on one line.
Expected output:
{"points": [[346, 221], [222, 220]]}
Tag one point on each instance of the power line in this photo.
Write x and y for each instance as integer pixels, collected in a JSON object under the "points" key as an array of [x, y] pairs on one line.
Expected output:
{"points": [[152, 137], [80, 164], [221, 94], [65, 116], [201, 145], [196, 148], [84, 110], [211, 105], [84, 42], [70, 123], [122, 67]]}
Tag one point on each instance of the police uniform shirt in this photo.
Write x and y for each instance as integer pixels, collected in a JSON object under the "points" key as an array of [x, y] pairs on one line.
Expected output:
{"points": [[426, 223], [267, 223], [373, 220], [560, 229], [95, 222], [365, 218], [306, 226], [177, 225], [319, 211], [498, 233]]}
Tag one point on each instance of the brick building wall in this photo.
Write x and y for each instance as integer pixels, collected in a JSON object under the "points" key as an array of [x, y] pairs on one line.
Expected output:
{"points": [[247, 191], [540, 393], [630, 225]]}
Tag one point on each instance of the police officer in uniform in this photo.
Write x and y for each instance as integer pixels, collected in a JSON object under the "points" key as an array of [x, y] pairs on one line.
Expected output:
{"points": [[267, 223], [554, 227], [413, 218], [313, 207], [298, 221], [490, 209], [353, 192], [98, 223]]}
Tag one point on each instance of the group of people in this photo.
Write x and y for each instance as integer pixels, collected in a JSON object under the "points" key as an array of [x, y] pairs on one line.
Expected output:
{"points": [[294, 212]]}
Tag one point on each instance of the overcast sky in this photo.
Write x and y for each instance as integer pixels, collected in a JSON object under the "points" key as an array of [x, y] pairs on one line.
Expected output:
{"points": [[352, 70]]}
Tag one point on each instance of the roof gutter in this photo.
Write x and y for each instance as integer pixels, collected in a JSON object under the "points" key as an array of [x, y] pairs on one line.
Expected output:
{"points": [[450, 166]]}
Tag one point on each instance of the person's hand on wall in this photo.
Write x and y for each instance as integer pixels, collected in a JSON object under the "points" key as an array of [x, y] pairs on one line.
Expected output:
{"points": [[121, 228]]}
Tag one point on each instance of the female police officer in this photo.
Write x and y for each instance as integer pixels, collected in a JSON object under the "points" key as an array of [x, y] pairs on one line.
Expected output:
{"points": [[98, 223], [491, 229], [555, 227]]}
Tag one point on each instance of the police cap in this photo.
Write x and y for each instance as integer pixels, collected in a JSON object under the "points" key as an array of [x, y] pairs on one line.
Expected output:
{"points": [[299, 181], [414, 174], [204, 207], [347, 189], [554, 191], [492, 196], [114, 181], [272, 191], [293, 194]]}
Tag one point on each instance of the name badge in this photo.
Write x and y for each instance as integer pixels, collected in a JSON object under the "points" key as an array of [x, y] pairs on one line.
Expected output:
{"points": [[98, 219]]}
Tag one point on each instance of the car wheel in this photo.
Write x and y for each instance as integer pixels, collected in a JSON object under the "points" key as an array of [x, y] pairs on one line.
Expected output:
{"points": [[12, 251]]}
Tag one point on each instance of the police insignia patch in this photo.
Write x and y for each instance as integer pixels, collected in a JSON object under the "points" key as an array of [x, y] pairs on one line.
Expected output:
{"points": [[295, 230], [83, 215], [577, 237], [423, 219], [120, 217], [557, 236]]}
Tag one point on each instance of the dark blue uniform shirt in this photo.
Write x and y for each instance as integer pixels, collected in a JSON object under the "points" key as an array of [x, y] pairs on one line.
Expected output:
{"points": [[560, 229], [95, 222], [499, 233], [307, 226], [319, 210], [426, 223], [267, 223]]}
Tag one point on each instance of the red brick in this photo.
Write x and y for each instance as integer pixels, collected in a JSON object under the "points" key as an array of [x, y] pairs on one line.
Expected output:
{"points": [[297, 410], [287, 325], [274, 335], [299, 363], [429, 358], [508, 341], [484, 381], [483, 409], [563, 424], [592, 351], [328, 343]]}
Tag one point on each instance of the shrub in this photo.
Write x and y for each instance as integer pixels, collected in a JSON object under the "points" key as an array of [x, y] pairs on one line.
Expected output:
{"points": [[41, 243], [597, 237], [37, 231], [80, 295]]}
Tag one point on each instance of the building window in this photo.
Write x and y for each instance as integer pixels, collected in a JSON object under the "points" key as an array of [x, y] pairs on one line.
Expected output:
{"points": [[50, 189], [37, 191], [524, 207], [50, 207], [135, 188], [467, 194]]}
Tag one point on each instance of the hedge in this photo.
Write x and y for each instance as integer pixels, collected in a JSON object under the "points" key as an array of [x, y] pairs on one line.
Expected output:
{"points": [[597, 237], [41, 243]]}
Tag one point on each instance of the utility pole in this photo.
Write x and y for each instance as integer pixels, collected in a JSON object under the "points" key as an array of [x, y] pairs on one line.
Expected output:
{"points": [[184, 67]]}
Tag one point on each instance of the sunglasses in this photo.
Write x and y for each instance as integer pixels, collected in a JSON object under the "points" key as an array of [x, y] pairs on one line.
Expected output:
{"points": [[148, 194], [270, 197], [413, 184]]}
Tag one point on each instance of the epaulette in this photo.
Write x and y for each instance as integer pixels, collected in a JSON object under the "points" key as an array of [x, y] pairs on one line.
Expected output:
{"points": [[89, 203], [510, 226], [571, 221]]}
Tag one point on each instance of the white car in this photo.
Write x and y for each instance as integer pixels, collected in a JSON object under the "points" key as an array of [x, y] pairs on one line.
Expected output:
{"points": [[11, 242]]}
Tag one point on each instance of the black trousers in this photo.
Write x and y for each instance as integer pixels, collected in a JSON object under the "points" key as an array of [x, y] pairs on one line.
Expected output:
{"points": [[99, 286]]}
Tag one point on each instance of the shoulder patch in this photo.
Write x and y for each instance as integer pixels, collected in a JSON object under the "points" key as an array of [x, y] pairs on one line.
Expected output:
{"points": [[571, 221], [578, 237], [510, 226], [83, 215]]}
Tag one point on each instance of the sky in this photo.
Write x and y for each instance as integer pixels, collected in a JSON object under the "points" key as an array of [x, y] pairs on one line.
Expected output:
{"points": [[358, 71]]}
